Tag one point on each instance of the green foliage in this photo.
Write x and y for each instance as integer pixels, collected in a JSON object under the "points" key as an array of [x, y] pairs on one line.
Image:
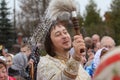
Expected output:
{"points": [[92, 15], [93, 22], [101, 29], [115, 19], [6, 29]]}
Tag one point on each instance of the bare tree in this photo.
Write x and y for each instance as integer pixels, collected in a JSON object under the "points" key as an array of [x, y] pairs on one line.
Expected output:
{"points": [[30, 15]]}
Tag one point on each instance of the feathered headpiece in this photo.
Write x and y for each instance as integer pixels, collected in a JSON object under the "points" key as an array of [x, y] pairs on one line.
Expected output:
{"points": [[57, 10], [60, 8]]}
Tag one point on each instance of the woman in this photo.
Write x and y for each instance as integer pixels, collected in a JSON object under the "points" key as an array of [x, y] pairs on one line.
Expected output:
{"points": [[3, 72], [9, 59]]}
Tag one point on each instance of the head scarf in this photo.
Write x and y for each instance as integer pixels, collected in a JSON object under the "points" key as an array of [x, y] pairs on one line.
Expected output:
{"points": [[19, 61]]}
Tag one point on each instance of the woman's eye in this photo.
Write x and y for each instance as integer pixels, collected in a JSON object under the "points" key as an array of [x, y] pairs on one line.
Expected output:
{"points": [[3, 71]]}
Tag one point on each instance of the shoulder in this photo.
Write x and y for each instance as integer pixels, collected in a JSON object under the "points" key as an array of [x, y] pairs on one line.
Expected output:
{"points": [[20, 55], [46, 66], [45, 61], [49, 64]]}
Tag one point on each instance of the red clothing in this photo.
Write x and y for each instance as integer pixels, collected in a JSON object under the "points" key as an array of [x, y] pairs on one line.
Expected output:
{"points": [[12, 78]]}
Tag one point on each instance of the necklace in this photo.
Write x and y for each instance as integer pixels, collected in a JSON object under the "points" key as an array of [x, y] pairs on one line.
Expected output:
{"points": [[62, 59]]}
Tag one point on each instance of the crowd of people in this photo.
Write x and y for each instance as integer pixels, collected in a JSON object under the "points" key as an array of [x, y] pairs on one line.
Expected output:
{"points": [[77, 58], [19, 65], [63, 60]]}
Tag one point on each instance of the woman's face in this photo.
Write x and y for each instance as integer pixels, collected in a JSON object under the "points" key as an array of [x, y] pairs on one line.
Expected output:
{"points": [[3, 72], [9, 61], [60, 38]]}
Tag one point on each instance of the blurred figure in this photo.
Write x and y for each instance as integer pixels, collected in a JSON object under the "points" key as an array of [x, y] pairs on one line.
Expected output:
{"points": [[106, 42], [88, 42], [95, 39], [103, 52], [83, 59], [90, 55], [3, 51], [9, 60], [25, 49], [97, 47], [89, 50], [20, 62], [109, 67], [3, 72], [90, 69]]}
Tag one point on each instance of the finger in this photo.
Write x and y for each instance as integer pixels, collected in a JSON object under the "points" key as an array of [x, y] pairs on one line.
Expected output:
{"points": [[79, 41], [78, 36]]}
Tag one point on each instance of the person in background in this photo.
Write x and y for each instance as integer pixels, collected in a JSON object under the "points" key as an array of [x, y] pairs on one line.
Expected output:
{"points": [[3, 51], [88, 40], [90, 68], [109, 67], [89, 50], [3, 72], [9, 60], [97, 47], [83, 59], [90, 54], [107, 42], [95, 39], [20, 62]]}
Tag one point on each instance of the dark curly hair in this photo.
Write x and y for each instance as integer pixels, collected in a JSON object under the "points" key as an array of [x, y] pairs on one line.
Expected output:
{"points": [[48, 42]]}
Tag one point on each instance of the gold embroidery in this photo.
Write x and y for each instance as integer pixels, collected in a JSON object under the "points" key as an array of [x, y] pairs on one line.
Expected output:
{"points": [[69, 75], [62, 59], [72, 66]]}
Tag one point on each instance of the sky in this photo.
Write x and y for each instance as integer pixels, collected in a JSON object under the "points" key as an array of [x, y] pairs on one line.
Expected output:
{"points": [[103, 5], [11, 4]]}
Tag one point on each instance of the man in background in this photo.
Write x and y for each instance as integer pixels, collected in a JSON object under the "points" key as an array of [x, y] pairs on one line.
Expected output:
{"points": [[20, 62]]}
